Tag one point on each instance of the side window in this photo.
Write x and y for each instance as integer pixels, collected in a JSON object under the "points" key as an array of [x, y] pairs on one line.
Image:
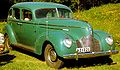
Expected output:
{"points": [[16, 13], [41, 13], [27, 15]]}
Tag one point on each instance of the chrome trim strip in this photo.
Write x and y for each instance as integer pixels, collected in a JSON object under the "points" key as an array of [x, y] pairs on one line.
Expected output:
{"points": [[43, 24], [89, 55]]}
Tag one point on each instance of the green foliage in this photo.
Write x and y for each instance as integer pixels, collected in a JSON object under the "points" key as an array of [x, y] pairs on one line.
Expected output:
{"points": [[75, 4], [2, 26]]}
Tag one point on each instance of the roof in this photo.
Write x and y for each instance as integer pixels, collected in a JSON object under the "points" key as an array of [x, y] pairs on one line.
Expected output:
{"points": [[36, 5]]}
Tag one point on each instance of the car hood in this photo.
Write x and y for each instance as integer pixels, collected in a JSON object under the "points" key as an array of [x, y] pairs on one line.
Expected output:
{"points": [[74, 28]]}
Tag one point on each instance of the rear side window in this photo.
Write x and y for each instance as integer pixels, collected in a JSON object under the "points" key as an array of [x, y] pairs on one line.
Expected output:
{"points": [[27, 15], [16, 13]]}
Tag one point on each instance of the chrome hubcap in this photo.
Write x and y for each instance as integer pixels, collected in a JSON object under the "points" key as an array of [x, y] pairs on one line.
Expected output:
{"points": [[52, 55]]}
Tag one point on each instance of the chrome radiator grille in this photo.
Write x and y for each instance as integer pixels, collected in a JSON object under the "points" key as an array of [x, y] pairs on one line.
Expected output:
{"points": [[89, 41]]}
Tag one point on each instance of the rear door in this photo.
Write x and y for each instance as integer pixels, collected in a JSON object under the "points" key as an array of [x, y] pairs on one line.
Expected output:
{"points": [[28, 34]]}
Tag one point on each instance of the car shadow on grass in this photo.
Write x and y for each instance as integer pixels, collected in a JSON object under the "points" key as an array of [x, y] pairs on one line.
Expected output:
{"points": [[40, 57], [5, 59], [80, 63], [88, 62]]}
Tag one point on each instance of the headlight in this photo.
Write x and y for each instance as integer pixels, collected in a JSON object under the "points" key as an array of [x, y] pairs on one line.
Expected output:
{"points": [[67, 42], [109, 40]]}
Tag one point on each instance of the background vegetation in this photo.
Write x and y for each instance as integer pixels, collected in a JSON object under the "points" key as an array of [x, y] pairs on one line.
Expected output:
{"points": [[105, 18], [75, 4]]}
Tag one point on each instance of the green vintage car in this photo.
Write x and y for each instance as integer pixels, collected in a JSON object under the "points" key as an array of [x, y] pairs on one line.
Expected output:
{"points": [[48, 29]]}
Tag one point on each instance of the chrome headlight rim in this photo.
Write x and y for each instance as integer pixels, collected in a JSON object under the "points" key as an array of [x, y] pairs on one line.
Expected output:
{"points": [[109, 40], [67, 42]]}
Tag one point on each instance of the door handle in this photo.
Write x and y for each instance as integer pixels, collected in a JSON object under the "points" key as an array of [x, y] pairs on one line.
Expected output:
{"points": [[19, 23]]}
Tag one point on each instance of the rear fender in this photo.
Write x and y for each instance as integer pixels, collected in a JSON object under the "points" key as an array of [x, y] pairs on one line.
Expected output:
{"points": [[11, 34]]}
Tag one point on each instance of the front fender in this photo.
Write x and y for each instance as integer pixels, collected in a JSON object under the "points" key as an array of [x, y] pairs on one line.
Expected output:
{"points": [[56, 39], [101, 36], [11, 34]]}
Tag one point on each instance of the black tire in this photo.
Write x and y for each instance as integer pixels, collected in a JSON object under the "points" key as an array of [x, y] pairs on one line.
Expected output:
{"points": [[51, 57], [7, 43]]}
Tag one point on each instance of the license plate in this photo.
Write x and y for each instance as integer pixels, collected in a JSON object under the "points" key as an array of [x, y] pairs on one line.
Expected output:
{"points": [[85, 49]]}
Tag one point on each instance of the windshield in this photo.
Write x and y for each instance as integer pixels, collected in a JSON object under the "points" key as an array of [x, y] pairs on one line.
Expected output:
{"points": [[64, 13], [53, 13]]}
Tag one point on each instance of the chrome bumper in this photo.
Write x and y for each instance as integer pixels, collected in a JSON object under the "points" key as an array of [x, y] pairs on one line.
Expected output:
{"points": [[89, 55]]}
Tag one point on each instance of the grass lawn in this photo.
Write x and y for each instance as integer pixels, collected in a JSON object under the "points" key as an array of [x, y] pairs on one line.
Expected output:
{"points": [[23, 61], [105, 18]]}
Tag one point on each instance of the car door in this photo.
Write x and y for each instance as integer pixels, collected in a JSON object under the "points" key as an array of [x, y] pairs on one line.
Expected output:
{"points": [[28, 34]]}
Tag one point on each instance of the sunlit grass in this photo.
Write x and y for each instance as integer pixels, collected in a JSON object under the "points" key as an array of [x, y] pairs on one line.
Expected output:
{"points": [[22, 61]]}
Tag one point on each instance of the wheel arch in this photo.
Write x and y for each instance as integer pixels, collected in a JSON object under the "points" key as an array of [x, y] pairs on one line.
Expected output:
{"points": [[52, 39], [44, 46], [10, 33]]}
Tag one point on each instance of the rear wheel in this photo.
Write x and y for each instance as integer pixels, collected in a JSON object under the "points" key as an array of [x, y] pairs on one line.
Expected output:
{"points": [[7, 43], [51, 57]]}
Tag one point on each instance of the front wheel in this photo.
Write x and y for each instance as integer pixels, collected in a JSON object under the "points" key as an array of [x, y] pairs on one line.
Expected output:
{"points": [[51, 57]]}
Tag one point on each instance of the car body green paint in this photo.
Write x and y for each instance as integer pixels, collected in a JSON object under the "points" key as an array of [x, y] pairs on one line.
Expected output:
{"points": [[36, 32]]}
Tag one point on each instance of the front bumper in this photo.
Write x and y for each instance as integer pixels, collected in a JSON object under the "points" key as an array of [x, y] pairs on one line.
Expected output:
{"points": [[90, 54]]}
